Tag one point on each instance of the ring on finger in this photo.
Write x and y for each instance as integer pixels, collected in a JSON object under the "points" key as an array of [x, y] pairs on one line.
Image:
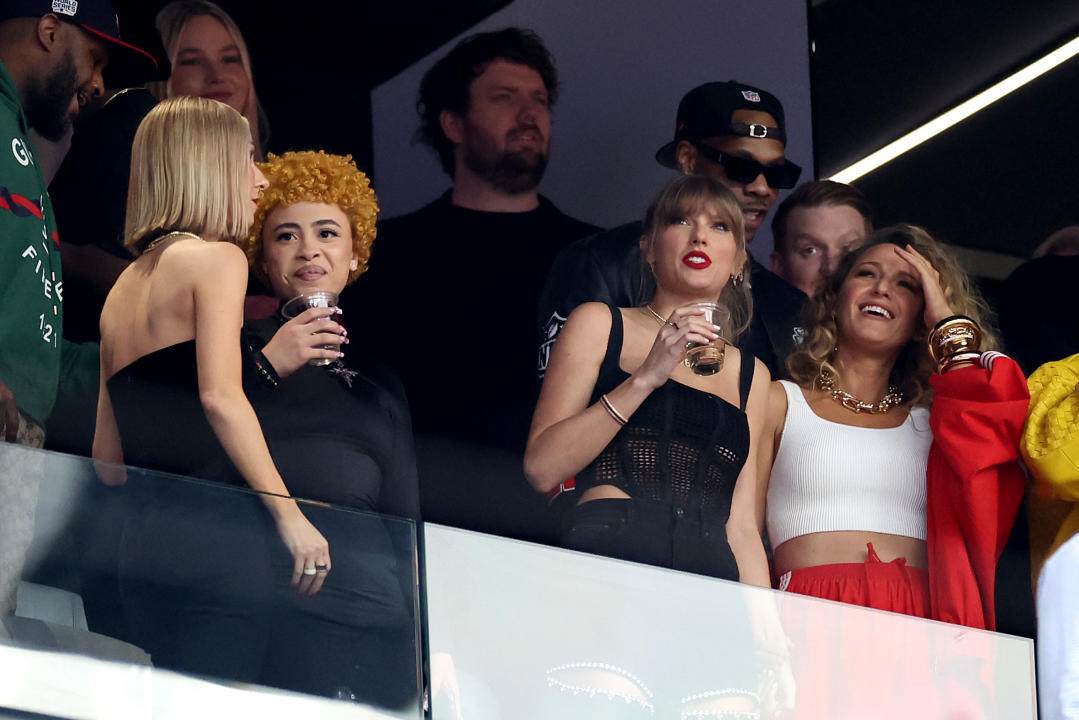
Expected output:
{"points": [[309, 571]]}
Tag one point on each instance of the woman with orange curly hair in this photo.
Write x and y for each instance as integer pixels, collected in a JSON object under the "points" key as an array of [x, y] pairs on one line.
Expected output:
{"points": [[339, 433], [894, 480]]}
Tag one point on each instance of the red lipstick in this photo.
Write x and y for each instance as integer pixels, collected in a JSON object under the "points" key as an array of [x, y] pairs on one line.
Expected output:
{"points": [[696, 260]]}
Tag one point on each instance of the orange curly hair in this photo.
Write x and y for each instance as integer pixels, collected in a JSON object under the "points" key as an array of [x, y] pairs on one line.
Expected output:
{"points": [[317, 177]]}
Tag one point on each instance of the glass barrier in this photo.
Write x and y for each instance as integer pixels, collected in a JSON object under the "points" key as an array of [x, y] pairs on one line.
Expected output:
{"points": [[522, 631], [116, 586]]}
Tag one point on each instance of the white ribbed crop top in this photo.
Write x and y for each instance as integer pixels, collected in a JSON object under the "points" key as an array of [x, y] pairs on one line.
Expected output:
{"points": [[828, 476]]}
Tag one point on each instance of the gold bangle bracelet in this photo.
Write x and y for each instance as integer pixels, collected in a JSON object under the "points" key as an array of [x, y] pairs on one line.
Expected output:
{"points": [[953, 336], [615, 415], [958, 359]]}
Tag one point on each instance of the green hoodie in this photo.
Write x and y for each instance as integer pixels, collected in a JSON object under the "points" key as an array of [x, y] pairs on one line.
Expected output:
{"points": [[31, 286]]}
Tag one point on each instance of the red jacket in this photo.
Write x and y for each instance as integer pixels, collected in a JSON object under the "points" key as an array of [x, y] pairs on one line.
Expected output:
{"points": [[973, 485]]}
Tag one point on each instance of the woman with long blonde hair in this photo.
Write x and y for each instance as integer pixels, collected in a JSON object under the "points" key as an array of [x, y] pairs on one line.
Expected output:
{"points": [[893, 479]]}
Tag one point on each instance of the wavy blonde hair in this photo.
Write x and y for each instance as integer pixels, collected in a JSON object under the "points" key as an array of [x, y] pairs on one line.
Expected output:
{"points": [[316, 177], [170, 22], [190, 165], [687, 195], [914, 365]]}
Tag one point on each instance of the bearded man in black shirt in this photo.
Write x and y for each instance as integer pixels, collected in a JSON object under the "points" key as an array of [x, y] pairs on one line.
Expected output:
{"points": [[452, 292]]}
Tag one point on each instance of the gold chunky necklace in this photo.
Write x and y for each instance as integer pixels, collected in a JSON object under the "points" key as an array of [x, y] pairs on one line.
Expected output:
{"points": [[892, 398]]}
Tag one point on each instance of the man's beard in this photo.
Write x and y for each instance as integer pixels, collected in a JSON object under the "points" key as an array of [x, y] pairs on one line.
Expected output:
{"points": [[512, 172], [48, 100]]}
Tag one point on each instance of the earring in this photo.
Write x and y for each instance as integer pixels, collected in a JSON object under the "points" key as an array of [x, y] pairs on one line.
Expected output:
{"points": [[738, 279], [353, 265]]}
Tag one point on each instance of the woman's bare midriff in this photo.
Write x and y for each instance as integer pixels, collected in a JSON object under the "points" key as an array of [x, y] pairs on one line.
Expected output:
{"points": [[828, 548], [603, 492]]}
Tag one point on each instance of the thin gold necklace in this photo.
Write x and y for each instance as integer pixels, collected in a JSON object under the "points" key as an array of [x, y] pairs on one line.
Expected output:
{"points": [[162, 238], [659, 318]]}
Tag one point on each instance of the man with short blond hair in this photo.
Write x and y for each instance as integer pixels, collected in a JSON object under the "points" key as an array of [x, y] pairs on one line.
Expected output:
{"points": [[813, 227]]}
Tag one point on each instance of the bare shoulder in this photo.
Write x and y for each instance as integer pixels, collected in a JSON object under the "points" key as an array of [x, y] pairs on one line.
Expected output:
{"points": [[207, 260], [777, 405], [210, 252], [586, 321], [762, 377], [591, 315], [578, 344]]}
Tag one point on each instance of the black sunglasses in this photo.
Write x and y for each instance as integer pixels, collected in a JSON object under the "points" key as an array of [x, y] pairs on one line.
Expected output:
{"points": [[744, 170]]}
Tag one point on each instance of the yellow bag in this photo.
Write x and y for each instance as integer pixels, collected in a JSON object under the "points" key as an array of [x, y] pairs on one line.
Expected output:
{"points": [[1050, 447]]}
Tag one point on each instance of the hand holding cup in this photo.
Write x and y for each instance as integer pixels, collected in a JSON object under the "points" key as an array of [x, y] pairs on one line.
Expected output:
{"points": [[311, 337], [688, 325]]}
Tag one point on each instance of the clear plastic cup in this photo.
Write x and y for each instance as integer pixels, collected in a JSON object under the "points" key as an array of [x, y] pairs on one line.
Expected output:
{"points": [[301, 303], [707, 358]]}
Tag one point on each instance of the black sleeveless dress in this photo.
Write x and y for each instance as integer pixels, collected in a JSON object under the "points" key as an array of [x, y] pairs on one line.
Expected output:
{"points": [[678, 459], [205, 577], [194, 565]]}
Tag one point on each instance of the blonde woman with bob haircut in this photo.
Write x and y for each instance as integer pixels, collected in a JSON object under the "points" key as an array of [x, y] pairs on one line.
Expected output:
{"points": [[209, 58], [664, 459], [171, 399]]}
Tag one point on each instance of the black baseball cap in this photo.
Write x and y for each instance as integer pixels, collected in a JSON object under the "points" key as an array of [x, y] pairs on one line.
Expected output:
{"points": [[706, 111], [128, 65]]}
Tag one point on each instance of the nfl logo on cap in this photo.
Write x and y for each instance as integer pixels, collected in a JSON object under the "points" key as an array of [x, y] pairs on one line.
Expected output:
{"points": [[66, 7], [751, 96]]}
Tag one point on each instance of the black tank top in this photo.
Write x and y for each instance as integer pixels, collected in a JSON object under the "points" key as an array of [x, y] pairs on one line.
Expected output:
{"points": [[683, 447]]}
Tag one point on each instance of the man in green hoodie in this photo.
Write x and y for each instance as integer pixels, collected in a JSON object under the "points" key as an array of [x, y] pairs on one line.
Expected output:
{"points": [[52, 56]]}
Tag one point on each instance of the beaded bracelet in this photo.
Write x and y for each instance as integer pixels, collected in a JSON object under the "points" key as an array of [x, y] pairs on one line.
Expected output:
{"points": [[265, 370]]}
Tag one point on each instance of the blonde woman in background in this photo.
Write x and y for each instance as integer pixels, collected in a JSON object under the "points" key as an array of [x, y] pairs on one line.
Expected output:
{"points": [[209, 59]]}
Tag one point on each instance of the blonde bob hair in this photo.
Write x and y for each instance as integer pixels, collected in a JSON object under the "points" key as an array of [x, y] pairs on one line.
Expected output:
{"points": [[170, 22], [190, 171], [687, 195], [316, 177], [914, 366]]}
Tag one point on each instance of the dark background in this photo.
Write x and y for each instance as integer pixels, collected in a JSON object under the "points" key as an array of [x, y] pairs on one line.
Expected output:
{"points": [[1000, 181], [1003, 179], [315, 63]]}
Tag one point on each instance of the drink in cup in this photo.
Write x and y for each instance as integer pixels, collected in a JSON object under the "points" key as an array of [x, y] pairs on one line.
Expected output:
{"points": [[707, 358], [300, 303]]}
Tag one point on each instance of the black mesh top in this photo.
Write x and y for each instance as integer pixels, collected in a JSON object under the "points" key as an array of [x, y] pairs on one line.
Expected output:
{"points": [[683, 447]]}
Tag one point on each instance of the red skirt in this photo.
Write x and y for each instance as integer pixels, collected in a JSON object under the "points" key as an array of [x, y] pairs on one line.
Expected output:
{"points": [[876, 584]]}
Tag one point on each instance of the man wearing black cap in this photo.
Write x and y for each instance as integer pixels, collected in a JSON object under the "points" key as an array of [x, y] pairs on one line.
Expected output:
{"points": [[730, 131], [52, 56]]}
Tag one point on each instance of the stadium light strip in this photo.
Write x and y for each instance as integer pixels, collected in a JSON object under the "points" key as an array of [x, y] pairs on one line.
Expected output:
{"points": [[957, 114]]}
